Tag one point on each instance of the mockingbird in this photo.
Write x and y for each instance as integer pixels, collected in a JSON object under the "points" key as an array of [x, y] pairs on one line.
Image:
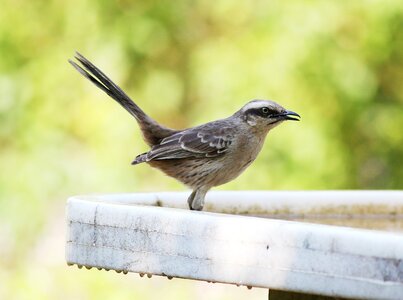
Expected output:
{"points": [[204, 156]]}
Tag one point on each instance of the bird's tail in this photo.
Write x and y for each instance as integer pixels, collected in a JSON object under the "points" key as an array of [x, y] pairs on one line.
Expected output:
{"points": [[152, 131]]}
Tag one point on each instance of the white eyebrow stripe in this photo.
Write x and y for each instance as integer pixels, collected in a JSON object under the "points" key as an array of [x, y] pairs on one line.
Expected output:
{"points": [[256, 105]]}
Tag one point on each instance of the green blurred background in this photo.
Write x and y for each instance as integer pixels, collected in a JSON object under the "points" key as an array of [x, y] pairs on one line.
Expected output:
{"points": [[337, 63]]}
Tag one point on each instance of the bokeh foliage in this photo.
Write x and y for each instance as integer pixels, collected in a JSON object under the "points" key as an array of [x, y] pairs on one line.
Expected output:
{"points": [[337, 63]]}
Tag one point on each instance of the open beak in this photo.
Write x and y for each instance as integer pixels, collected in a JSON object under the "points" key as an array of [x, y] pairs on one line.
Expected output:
{"points": [[290, 115]]}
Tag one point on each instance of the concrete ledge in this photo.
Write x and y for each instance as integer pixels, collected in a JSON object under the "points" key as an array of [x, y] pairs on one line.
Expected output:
{"points": [[297, 203], [110, 232]]}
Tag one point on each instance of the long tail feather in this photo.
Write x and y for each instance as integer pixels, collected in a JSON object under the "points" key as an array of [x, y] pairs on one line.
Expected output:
{"points": [[97, 77], [152, 131]]}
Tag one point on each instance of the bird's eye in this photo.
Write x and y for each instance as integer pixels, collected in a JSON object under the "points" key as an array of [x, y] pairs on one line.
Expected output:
{"points": [[265, 110]]}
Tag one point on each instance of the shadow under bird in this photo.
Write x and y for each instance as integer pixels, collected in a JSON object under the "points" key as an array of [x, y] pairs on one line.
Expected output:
{"points": [[204, 156]]}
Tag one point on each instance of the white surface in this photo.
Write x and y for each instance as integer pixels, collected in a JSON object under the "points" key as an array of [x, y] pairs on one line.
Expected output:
{"points": [[279, 202], [106, 232]]}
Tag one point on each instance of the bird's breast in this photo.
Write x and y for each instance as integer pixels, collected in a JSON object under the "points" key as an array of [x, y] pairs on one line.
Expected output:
{"points": [[242, 153]]}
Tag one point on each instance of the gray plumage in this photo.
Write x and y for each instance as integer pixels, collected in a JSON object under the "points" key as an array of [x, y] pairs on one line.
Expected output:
{"points": [[203, 156]]}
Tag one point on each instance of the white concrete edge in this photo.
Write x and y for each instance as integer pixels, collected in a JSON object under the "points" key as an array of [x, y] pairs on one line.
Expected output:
{"points": [[340, 202], [283, 255]]}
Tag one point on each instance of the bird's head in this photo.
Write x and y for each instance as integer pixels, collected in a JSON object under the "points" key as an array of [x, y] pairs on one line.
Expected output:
{"points": [[265, 114]]}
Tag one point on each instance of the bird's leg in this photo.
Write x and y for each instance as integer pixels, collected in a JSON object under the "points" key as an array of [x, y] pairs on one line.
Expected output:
{"points": [[196, 199]]}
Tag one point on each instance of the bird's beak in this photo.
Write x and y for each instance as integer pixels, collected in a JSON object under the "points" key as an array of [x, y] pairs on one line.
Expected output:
{"points": [[290, 115]]}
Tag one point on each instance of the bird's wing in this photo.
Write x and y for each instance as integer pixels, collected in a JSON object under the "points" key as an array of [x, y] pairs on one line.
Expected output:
{"points": [[203, 141]]}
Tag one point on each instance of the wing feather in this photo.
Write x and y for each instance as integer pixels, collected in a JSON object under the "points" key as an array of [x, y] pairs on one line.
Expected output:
{"points": [[204, 141]]}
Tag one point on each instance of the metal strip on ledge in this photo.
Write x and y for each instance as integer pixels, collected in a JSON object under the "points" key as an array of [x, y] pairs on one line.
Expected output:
{"points": [[123, 233]]}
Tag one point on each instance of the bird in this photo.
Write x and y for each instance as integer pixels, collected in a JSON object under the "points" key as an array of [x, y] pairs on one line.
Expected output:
{"points": [[203, 156]]}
